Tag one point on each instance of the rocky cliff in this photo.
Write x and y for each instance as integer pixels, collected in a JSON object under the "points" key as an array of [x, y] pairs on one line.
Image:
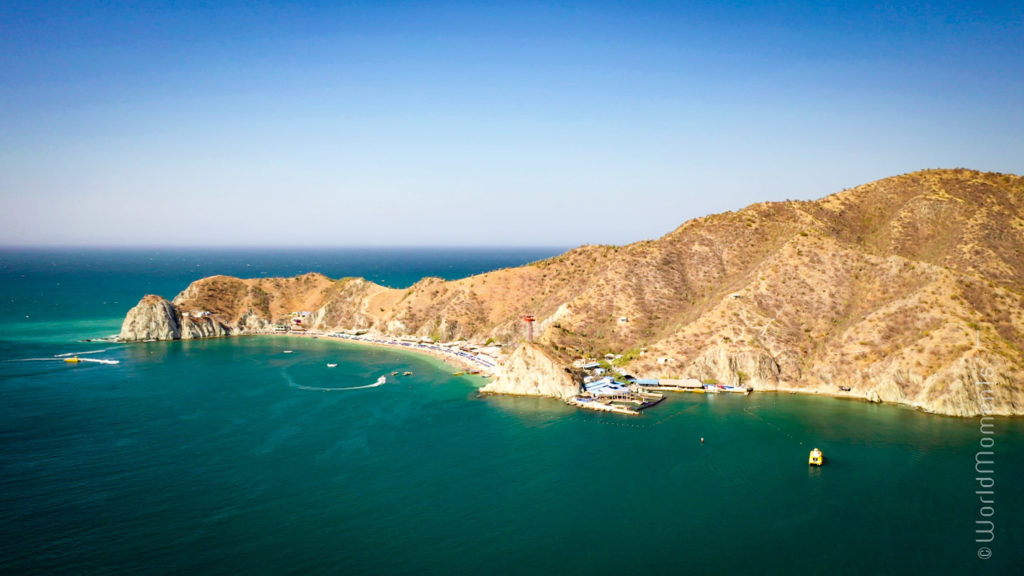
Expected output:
{"points": [[530, 371], [154, 318], [904, 290]]}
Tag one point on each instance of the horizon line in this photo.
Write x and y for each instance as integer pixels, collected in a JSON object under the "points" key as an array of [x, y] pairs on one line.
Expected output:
{"points": [[12, 247]]}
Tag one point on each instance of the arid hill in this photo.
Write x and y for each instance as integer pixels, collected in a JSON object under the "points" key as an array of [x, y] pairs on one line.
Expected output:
{"points": [[909, 289]]}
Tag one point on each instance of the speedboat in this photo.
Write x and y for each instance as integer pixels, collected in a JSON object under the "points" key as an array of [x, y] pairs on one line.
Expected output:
{"points": [[332, 365]]}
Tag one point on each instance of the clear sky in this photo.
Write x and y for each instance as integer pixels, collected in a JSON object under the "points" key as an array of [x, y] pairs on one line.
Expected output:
{"points": [[478, 123]]}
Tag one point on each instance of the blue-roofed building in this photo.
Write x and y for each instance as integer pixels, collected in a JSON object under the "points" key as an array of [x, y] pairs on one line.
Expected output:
{"points": [[648, 382], [607, 387]]}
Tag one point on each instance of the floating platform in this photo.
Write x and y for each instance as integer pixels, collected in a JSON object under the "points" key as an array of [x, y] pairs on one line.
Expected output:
{"points": [[597, 404], [619, 405]]}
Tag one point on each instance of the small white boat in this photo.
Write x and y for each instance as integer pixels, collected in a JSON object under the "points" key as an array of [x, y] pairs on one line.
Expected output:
{"points": [[382, 380], [332, 365], [287, 351]]}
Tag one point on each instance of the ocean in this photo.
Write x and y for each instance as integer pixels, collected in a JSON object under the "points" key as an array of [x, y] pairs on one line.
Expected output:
{"points": [[231, 456]]}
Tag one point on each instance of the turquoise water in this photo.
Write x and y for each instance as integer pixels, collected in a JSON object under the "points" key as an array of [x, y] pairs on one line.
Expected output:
{"points": [[61, 294], [230, 456]]}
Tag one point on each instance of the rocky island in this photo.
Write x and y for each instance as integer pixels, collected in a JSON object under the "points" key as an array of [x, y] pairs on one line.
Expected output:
{"points": [[907, 290]]}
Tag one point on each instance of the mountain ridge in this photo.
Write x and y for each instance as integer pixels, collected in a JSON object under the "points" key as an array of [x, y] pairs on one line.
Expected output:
{"points": [[908, 289]]}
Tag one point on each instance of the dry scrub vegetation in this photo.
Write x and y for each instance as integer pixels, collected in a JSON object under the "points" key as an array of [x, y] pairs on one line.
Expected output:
{"points": [[888, 288]]}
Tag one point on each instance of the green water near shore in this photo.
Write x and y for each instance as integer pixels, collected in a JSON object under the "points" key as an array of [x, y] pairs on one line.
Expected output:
{"points": [[227, 456]]}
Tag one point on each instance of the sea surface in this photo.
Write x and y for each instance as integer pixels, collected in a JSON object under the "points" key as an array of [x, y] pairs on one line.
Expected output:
{"points": [[231, 456]]}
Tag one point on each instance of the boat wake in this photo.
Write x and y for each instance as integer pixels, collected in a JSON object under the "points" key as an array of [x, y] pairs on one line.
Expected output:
{"points": [[72, 358], [99, 361], [380, 382], [67, 358], [82, 353]]}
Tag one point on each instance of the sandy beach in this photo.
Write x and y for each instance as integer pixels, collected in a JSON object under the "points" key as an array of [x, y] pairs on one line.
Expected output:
{"points": [[443, 351]]}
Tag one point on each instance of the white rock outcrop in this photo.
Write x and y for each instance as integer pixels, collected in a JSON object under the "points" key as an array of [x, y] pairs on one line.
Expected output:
{"points": [[737, 367], [203, 328], [153, 318], [529, 371]]}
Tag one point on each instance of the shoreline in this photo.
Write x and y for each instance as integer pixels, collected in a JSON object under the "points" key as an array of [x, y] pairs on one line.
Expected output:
{"points": [[858, 396], [438, 352], [463, 360], [450, 358], [819, 392]]}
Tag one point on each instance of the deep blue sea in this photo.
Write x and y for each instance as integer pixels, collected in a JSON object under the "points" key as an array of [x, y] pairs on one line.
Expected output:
{"points": [[232, 457]]}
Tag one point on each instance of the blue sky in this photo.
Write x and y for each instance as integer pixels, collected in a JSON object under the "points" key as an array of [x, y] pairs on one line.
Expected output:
{"points": [[394, 123]]}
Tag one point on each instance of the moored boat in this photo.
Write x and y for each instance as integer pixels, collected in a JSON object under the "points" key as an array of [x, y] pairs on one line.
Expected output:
{"points": [[816, 458]]}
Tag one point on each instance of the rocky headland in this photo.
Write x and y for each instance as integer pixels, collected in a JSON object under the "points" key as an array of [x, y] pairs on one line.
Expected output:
{"points": [[907, 290]]}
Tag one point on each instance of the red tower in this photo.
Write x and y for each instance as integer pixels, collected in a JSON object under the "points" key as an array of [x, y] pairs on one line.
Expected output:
{"points": [[529, 319]]}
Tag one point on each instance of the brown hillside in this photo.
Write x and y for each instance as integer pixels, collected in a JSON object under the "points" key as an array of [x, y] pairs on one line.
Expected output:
{"points": [[909, 289]]}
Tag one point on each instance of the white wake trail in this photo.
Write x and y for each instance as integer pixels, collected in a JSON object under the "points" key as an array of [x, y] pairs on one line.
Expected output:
{"points": [[81, 353], [380, 382]]}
